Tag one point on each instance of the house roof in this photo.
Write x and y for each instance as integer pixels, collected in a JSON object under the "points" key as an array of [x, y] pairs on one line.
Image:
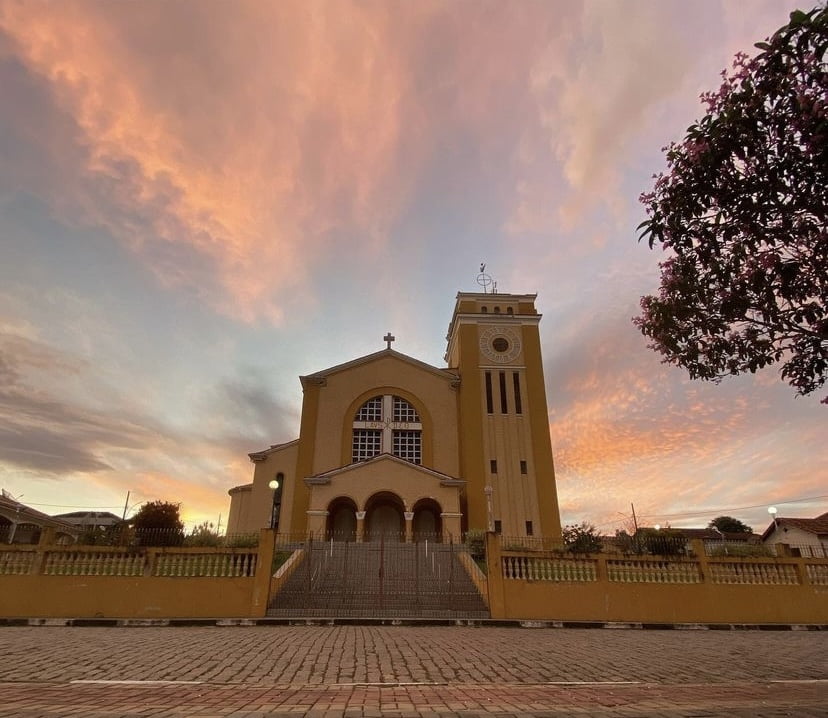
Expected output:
{"points": [[709, 534], [264, 453], [818, 525], [381, 354], [17, 512], [89, 518]]}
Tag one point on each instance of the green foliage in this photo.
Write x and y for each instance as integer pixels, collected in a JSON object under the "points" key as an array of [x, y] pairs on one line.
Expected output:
{"points": [[204, 535], [658, 542], [727, 524], [743, 214], [476, 543], [242, 540], [625, 542], [158, 515], [583, 538], [157, 523], [739, 549], [661, 542], [103, 535], [279, 559]]}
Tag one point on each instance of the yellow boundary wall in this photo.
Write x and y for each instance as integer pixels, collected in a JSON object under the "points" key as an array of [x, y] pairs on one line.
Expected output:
{"points": [[47, 581], [550, 586]]}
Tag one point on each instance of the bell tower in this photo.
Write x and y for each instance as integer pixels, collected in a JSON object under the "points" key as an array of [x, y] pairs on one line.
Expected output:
{"points": [[503, 434]]}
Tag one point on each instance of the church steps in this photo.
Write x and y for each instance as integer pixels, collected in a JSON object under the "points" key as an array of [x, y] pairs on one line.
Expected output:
{"points": [[379, 580]]}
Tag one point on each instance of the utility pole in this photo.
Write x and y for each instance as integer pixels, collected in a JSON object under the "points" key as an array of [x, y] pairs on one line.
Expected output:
{"points": [[126, 503], [635, 521]]}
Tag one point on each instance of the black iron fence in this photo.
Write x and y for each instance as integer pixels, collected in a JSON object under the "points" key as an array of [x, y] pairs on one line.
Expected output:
{"points": [[383, 575], [126, 535]]}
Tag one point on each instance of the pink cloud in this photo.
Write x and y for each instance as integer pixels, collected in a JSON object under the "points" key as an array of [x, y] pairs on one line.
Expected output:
{"points": [[225, 164], [626, 428]]}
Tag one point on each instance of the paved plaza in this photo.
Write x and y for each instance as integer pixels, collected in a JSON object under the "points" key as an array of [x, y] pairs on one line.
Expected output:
{"points": [[410, 671]]}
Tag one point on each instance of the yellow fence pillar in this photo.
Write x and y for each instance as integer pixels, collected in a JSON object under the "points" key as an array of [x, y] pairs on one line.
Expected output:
{"points": [[699, 550], [264, 569], [497, 604]]}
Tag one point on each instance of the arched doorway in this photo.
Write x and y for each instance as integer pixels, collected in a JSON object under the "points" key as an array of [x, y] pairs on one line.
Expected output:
{"points": [[384, 517], [342, 523], [427, 525]]}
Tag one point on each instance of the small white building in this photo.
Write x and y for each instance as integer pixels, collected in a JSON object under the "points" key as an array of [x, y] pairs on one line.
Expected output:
{"points": [[806, 537]]}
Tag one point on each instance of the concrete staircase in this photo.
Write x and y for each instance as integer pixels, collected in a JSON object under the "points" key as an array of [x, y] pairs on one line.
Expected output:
{"points": [[379, 580]]}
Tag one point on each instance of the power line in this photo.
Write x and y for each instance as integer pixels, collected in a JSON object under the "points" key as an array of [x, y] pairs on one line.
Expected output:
{"points": [[69, 506], [708, 512], [704, 512]]}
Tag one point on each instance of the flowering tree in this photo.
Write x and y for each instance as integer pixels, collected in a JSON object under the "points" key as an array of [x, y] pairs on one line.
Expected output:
{"points": [[742, 213]]}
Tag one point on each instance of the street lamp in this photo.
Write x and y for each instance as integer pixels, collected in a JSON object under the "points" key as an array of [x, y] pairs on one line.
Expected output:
{"points": [[276, 486], [489, 513], [772, 511], [721, 538]]}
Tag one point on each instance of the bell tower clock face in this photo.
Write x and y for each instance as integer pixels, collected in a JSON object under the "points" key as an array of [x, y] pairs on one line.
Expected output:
{"points": [[500, 344]]}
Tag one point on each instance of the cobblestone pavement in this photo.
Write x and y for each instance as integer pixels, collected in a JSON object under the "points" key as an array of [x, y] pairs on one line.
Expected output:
{"points": [[402, 672]]}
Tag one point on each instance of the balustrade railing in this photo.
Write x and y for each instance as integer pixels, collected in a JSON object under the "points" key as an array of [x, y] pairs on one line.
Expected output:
{"points": [[205, 564], [529, 568], [134, 561], [817, 573], [93, 563], [535, 564], [14, 563], [651, 571], [753, 573]]}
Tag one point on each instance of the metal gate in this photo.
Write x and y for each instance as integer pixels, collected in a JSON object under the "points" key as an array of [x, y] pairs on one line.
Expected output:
{"points": [[377, 579]]}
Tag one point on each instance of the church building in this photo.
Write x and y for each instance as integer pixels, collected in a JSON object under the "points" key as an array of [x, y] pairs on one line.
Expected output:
{"points": [[389, 445]]}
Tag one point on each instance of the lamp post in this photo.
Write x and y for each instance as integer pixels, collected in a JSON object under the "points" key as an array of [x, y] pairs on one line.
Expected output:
{"points": [[721, 538], [772, 511], [489, 513], [276, 505]]}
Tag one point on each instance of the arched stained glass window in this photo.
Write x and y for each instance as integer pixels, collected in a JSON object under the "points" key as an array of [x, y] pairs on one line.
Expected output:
{"points": [[387, 424]]}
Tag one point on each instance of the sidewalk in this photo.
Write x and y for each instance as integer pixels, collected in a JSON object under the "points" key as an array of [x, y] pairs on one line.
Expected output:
{"points": [[408, 671]]}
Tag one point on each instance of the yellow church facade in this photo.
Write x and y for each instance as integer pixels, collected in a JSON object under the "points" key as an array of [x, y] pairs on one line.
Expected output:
{"points": [[391, 446]]}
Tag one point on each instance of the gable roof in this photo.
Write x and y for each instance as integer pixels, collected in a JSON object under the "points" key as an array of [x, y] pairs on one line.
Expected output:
{"points": [[90, 518], [709, 534], [264, 453], [818, 525], [326, 476], [376, 356], [16, 512]]}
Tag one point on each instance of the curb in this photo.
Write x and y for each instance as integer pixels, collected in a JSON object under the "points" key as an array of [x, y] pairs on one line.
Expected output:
{"points": [[412, 622]]}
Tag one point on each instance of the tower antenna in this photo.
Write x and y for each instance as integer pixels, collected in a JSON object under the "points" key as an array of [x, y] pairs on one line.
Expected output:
{"points": [[485, 280]]}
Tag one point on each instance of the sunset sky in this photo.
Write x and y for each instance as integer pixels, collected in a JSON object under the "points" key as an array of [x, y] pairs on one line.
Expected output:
{"points": [[202, 200]]}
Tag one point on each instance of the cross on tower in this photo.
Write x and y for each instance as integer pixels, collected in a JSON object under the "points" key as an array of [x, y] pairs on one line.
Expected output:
{"points": [[389, 338]]}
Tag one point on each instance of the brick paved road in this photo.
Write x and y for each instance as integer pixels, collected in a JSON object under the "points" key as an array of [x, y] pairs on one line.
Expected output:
{"points": [[410, 671]]}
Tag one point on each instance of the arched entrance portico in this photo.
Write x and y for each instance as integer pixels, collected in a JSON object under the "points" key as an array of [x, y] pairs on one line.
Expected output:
{"points": [[384, 517], [341, 524], [427, 524]]}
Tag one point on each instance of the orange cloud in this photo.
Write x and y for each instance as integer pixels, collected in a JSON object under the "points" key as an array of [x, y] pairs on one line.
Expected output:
{"points": [[626, 428], [240, 153]]}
